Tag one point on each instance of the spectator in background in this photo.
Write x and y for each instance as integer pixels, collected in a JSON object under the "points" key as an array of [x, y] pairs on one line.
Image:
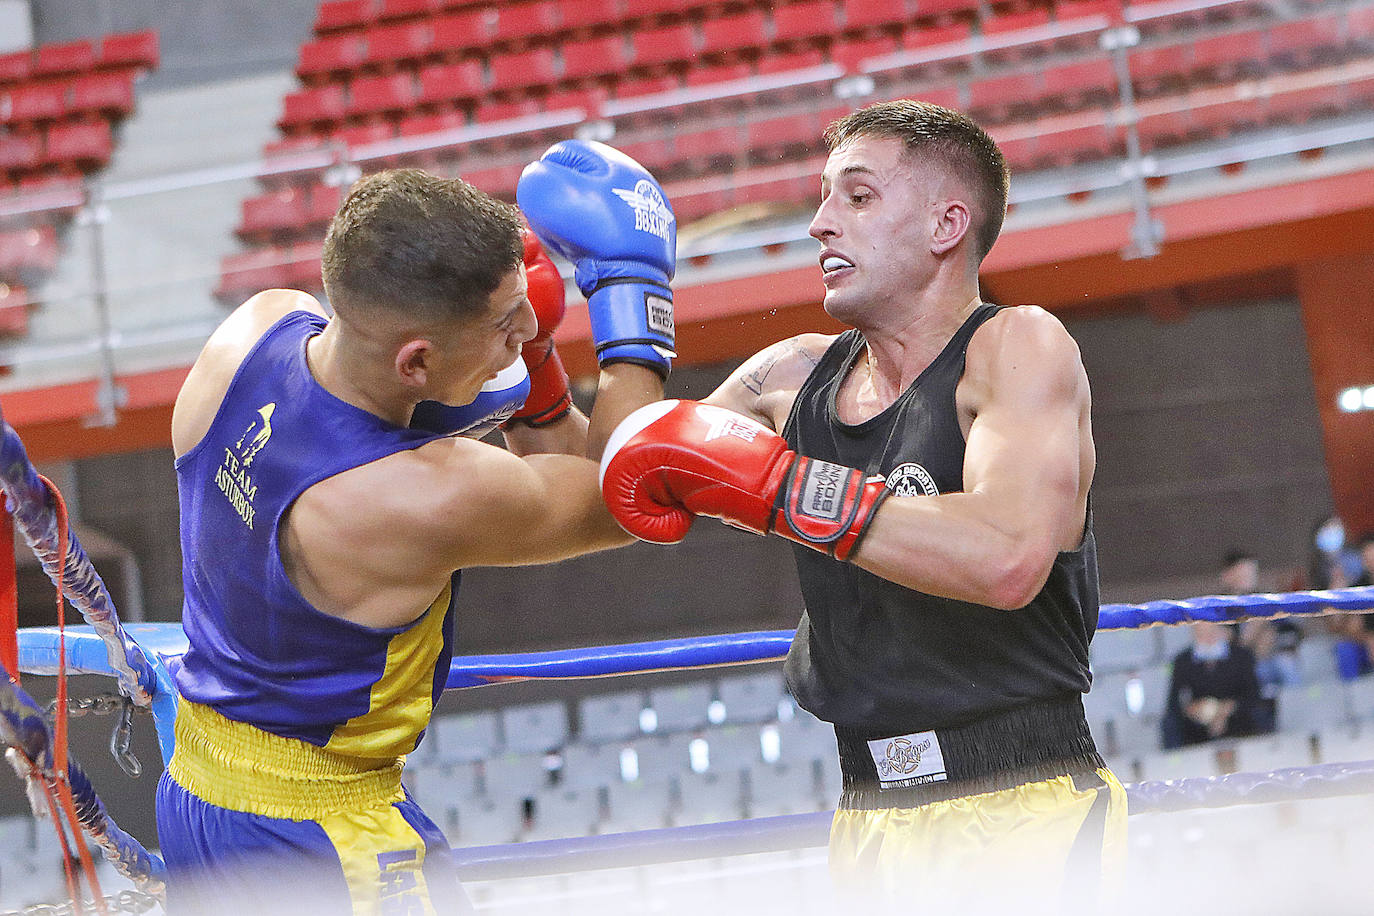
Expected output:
{"points": [[1330, 564], [1274, 642], [1213, 690], [1355, 632]]}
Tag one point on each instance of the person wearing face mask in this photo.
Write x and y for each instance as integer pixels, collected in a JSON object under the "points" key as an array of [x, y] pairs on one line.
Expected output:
{"points": [[932, 465], [1213, 690]]}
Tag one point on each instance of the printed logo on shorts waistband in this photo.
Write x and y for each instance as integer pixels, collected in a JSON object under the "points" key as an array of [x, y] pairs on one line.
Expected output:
{"points": [[908, 760]]}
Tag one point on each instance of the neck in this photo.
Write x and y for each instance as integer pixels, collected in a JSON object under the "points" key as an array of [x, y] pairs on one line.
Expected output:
{"points": [[355, 372], [900, 351]]}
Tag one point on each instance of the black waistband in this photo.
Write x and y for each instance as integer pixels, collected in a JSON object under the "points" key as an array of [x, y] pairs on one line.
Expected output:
{"points": [[1025, 744]]}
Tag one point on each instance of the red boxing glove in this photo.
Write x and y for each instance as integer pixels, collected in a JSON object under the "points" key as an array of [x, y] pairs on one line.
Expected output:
{"points": [[549, 399], [673, 460]]}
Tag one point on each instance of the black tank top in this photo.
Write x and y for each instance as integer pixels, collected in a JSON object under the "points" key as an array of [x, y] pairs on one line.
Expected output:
{"points": [[879, 659]]}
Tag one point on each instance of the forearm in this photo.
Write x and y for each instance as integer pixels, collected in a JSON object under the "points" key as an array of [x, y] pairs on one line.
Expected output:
{"points": [[951, 546], [622, 389], [567, 436]]}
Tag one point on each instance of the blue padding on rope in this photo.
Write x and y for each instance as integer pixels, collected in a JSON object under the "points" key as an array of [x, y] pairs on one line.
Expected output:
{"points": [[35, 515], [164, 643], [802, 831], [160, 645]]}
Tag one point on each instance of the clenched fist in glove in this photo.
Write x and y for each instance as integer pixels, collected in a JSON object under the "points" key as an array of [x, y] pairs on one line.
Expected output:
{"points": [[673, 460]]}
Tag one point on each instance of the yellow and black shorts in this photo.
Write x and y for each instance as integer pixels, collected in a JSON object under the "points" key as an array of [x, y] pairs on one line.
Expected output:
{"points": [[1012, 814], [253, 823]]}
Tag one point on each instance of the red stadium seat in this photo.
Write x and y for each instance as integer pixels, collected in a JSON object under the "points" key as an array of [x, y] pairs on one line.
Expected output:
{"points": [[271, 213], [38, 102], [392, 10], [381, 95], [344, 15], [130, 49], [323, 203], [1068, 10], [1072, 86], [1233, 56], [627, 89], [935, 36], [648, 9], [721, 73], [333, 55], [418, 125], [875, 14], [523, 70], [518, 23], [505, 111], [20, 152], [1012, 22], [467, 30], [740, 35], [791, 60], [313, 108], [589, 100], [811, 22], [304, 266], [670, 46], [1003, 98], [499, 181], [1304, 42], [28, 252], [63, 59], [1083, 144], [15, 67], [365, 134], [585, 14], [249, 272], [83, 145], [710, 149], [1159, 68], [852, 54], [406, 42], [14, 309], [110, 94], [770, 137], [934, 9], [442, 84], [797, 190], [594, 58]]}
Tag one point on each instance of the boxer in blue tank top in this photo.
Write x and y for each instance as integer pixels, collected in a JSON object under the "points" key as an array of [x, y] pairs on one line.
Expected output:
{"points": [[933, 466], [322, 536]]}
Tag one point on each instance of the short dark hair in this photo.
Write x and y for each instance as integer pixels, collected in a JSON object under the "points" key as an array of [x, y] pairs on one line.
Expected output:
{"points": [[427, 247], [1232, 557], [952, 138]]}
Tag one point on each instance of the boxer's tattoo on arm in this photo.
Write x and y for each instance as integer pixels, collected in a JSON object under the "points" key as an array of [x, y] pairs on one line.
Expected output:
{"points": [[754, 379]]}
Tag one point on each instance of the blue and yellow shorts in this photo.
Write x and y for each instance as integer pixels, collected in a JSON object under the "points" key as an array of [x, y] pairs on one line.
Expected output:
{"points": [[993, 818], [253, 823]]}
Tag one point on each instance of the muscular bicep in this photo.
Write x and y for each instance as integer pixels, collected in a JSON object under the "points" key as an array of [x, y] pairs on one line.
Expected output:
{"points": [[765, 386], [511, 511], [1029, 444]]}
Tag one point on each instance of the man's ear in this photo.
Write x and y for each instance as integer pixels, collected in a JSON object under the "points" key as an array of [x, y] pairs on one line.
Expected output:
{"points": [[413, 362], [952, 223]]}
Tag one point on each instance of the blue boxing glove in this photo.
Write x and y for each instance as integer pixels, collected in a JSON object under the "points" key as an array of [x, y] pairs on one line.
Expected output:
{"points": [[498, 400], [603, 211]]}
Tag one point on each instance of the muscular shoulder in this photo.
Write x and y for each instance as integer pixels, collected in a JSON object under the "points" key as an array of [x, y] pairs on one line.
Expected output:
{"points": [[1023, 348], [765, 386], [219, 359]]}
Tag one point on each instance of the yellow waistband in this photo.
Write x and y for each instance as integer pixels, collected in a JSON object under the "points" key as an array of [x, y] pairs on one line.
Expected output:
{"points": [[238, 766]]}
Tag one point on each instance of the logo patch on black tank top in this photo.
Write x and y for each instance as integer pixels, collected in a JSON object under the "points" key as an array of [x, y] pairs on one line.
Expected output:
{"points": [[910, 479]]}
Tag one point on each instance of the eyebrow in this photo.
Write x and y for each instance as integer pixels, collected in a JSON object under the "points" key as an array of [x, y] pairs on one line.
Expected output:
{"points": [[852, 170]]}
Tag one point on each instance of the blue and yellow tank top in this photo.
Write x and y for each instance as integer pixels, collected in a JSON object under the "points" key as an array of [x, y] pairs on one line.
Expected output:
{"points": [[259, 652]]}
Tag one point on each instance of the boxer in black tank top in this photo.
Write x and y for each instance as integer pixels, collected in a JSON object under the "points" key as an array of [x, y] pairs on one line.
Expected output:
{"points": [[933, 466]]}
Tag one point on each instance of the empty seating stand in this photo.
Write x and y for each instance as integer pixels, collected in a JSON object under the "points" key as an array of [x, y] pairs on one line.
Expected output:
{"points": [[712, 95], [60, 105]]}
